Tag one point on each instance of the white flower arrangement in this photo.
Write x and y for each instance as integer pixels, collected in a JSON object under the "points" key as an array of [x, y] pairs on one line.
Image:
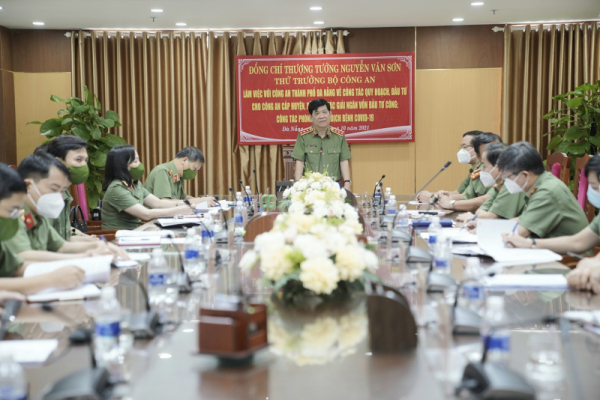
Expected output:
{"points": [[315, 191]]}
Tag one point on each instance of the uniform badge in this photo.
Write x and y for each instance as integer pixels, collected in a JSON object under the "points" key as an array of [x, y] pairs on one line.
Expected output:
{"points": [[127, 186], [170, 172], [532, 191], [28, 219], [175, 178], [336, 131], [305, 131], [475, 175]]}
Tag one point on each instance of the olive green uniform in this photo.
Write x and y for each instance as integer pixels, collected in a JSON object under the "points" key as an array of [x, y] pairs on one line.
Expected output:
{"points": [[595, 225], [62, 224], [119, 197], [322, 155], [504, 204], [164, 182], [9, 261], [551, 210], [475, 188], [465, 183], [35, 233]]}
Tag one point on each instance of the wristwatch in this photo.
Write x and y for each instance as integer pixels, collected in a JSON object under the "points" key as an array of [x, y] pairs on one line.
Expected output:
{"points": [[452, 203], [533, 244], [347, 181]]}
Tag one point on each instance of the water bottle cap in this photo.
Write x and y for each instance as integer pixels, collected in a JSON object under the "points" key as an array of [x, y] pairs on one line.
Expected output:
{"points": [[388, 189], [157, 252], [238, 193], [191, 231], [248, 189], [108, 293], [393, 197], [495, 302]]}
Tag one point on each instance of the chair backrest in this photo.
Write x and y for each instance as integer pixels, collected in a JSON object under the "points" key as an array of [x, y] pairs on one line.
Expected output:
{"points": [[565, 165], [259, 224], [588, 209], [352, 197]]}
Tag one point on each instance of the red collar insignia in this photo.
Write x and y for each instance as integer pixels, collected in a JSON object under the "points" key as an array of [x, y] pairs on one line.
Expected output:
{"points": [[532, 191], [475, 175], [175, 178], [128, 187], [28, 219], [170, 172]]}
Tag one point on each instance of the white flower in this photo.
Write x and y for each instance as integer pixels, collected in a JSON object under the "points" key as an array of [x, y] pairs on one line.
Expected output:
{"points": [[332, 240], [310, 247], [301, 222], [290, 234], [286, 193], [350, 262], [343, 193], [248, 261], [296, 196], [301, 185], [296, 208], [371, 260], [316, 186], [319, 275], [275, 262], [319, 337], [267, 240]]}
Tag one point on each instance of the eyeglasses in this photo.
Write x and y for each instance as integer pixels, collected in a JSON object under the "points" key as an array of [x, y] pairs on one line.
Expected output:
{"points": [[468, 148], [513, 174]]}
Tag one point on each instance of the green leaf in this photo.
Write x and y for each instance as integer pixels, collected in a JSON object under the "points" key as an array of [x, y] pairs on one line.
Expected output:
{"points": [[98, 104], [574, 133], [89, 97], [549, 115], [114, 140], [81, 109], [67, 121], [81, 131], [556, 140], [112, 115], [34, 123], [562, 148], [595, 140], [57, 99], [99, 161], [574, 102], [61, 112], [95, 132], [50, 124], [576, 149]]}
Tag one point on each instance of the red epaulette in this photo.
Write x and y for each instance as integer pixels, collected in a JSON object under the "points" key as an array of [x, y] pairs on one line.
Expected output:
{"points": [[500, 185], [170, 172], [28, 219], [336, 131], [475, 175], [304, 131], [532, 191], [175, 178]]}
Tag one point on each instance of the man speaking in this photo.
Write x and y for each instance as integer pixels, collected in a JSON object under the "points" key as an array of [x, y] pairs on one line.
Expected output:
{"points": [[322, 148]]}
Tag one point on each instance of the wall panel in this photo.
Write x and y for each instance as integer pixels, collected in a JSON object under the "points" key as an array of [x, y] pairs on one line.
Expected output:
{"points": [[32, 103], [447, 104], [44, 50]]}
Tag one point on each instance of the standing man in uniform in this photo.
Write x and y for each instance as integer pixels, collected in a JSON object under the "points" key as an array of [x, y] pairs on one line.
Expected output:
{"points": [[165, 181], [322, 148]]}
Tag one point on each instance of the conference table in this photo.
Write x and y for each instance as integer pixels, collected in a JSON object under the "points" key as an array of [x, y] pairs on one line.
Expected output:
{"points": [[169, 365]]}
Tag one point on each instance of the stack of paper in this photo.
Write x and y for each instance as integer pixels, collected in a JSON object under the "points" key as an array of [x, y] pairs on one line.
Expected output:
{"points": [[84, 292], [191, 220], [527, 282], [139, 241], [162, 233], [29, 351], [97, 269]]}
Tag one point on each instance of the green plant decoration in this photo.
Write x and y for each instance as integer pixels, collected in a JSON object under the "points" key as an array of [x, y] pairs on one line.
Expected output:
{"points": [[83, 119], [574, 127]]}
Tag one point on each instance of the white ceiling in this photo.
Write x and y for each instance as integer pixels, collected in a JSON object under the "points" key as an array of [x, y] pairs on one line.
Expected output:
{"points": [[248, 14]]}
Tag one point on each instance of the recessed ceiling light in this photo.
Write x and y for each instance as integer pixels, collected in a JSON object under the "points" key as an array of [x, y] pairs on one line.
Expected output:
{"points": [[457, 19], [38, 23], [156, 10], [318, 22], [181, 24], [0, 8], [316, 8], [164, 355], [477, 3]]}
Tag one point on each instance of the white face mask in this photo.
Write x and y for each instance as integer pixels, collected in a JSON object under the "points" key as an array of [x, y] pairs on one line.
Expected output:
{"points": [[513, 187], [464, 157], [48, 205], [593, 196], [486, 178]]}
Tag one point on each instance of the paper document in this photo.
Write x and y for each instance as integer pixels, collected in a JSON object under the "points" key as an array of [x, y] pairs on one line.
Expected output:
{"points": [[139, 241], [173, 222], [489, 232], [527, 282], [592, 317], [139, 256], [174, 241], [97, 269], [163, 233], [82, 293], [29, 351]]}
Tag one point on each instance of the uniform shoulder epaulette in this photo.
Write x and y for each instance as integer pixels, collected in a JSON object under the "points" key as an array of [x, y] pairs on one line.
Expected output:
{"points": [[475, 175], [127, 186], [532, 191], [337, 131], [305, 130], [500, 185]]}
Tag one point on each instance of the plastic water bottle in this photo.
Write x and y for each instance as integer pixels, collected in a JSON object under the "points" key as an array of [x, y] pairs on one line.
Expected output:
{"points": [[108, 328], [402, 220], [391, 206], [248, 195], [238, 197], [387, 194], [435, 228], [192, 251], [377, 198], [495, 337], [208, 231], [473, 294], [13, 385], [239, 221], [158, 275], [442, 254]]}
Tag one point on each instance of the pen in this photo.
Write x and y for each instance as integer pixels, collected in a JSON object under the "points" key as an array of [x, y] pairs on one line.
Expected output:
{"points": [[472, 219], [103, 239], [575, 255], [512, 233]]}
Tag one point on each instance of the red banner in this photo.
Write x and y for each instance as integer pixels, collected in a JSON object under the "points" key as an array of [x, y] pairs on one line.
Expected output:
{"points": [[371, 96]]}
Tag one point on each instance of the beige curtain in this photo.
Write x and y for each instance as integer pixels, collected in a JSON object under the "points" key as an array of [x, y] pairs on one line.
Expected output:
{"points": [[173, 90], [541, 62]]}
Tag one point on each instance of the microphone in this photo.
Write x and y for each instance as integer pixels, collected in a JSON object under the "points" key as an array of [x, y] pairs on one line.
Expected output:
{"points": [[427, 183], [377, 184], [144, 324], [11, 308], [255, 181]]}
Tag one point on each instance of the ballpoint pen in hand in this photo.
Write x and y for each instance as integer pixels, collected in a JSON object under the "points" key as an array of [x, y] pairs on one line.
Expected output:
{"points": [[512, 233], [472, 219]]}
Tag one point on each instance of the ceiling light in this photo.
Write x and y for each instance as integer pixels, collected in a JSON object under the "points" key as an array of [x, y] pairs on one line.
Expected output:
{"points": [[457, 19], [156, 10], [0, 7], [164, 355], [181, 24], [478, 3], [38, 23], [317, 8], [318, 22]]}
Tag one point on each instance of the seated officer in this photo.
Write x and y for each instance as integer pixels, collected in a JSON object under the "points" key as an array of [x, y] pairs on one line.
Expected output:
{"points": [[165, 181], [36, 240], [500, 204], [466, 155], [126, 202], [586, 239], [12, 194], [71, 151], [551, 210], [322, 148], [476, 192]]}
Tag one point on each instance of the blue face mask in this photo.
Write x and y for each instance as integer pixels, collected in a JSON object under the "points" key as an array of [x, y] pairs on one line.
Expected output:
{"points": [[593, 196]]}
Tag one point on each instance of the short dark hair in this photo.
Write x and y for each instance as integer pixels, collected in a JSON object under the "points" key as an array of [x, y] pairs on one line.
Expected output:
{"points": [[593, 166], [521, 156], [61, 145], [10, 182], [315, 104], [37, 166], [117, 160], [484, 138], [192, 153], [493, 151], [472, 133]]}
